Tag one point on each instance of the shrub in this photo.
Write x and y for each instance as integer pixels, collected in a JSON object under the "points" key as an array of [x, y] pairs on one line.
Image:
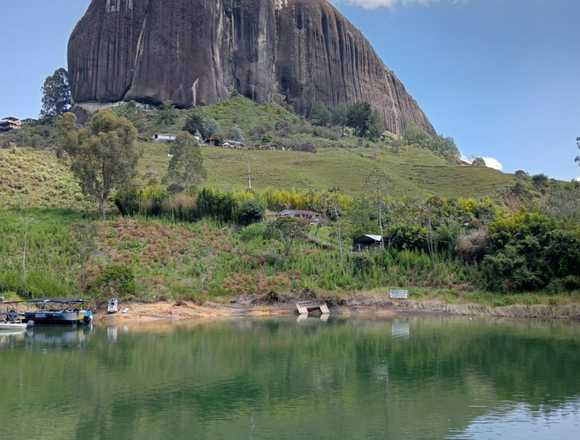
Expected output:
{"points": [[412, 237], [249, 212], [471, 246], [153, 200], [114, 281], [217, 205], [256, 231], [478, 162], [128, 201], [529, 252]]}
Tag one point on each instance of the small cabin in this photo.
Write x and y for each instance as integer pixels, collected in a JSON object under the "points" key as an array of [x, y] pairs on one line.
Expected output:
{"points": [[158, 137], [367, 241], [10, 123], [236, 145]]}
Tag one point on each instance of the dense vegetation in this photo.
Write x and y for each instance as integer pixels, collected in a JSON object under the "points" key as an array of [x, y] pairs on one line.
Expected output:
{"points": [[199, 222]]}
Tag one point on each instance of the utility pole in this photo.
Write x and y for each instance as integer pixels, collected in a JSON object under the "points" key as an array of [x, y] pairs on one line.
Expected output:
{"points": [[249, 164]]}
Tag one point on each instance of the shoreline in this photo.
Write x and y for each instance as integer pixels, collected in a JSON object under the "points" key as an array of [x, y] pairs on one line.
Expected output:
{"points": [[371, 307]]}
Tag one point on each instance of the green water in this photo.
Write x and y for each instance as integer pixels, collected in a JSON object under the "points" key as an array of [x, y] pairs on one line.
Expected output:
{"points": [[342, 379]]}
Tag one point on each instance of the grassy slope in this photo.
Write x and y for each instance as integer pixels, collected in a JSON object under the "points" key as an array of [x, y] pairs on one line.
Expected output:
{"points": [[31, 178], [57, 252], [34, 178], [413, 172]]}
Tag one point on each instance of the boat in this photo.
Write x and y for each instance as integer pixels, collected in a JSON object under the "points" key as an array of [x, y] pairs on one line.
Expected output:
{"points": [[12, 327], [56, 312], [52, 312]]}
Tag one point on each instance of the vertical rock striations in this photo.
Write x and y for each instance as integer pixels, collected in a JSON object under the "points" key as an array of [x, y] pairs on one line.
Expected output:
{"points": [[196, 52]]}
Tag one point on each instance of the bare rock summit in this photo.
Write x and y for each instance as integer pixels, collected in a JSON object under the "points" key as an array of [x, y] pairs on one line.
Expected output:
{"points": [[196, 52]]}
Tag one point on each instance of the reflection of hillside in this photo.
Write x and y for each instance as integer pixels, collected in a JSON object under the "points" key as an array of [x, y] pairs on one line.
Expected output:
{"points": [[276, 376]]}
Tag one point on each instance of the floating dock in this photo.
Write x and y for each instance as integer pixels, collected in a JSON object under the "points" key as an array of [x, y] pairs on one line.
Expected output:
{"points": [[305, 308]]}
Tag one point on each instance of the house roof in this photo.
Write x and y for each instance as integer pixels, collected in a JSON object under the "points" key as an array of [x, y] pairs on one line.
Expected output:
{"points": [[375, 238]]}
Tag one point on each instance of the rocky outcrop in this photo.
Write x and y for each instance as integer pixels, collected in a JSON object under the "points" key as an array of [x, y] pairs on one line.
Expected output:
{"points": [[196, 52]]}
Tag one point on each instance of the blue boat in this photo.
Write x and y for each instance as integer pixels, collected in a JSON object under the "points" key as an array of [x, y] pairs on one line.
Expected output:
{"points": [[59, 312]]}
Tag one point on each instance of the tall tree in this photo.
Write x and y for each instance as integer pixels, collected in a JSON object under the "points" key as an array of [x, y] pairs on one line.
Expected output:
{"points": [[56, 94], [104, 156], [185, 168], [363, 120], [166, 114], [288, 230]]}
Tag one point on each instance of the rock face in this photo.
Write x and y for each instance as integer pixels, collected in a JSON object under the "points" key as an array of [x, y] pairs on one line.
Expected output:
{"points": [[196, 52]]}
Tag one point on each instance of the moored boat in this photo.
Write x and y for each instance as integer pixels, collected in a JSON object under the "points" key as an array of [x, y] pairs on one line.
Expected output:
{"points": [[12, 327], [55, 312], [60, 317]]}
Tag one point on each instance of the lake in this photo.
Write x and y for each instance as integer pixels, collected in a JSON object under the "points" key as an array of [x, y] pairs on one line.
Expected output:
{"points": [[416, 378]]}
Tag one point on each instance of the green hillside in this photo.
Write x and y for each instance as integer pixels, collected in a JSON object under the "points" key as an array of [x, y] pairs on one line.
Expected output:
{"points": [[413, 172], [35, 178]]}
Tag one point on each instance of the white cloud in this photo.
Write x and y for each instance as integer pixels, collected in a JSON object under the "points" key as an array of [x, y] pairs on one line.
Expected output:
{"points": [[577, 179], [492, 162], [375, 4]]}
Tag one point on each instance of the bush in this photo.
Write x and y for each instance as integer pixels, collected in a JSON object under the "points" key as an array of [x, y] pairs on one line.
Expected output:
{"points": [[471, 246], [408, 237], [115, 281], [256, 231], [250, 212], [128, 201], [220, 206], [529, 252]]}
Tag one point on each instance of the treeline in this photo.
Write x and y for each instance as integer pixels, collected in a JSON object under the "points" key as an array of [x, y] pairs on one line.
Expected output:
{"points": [[242, 207]]}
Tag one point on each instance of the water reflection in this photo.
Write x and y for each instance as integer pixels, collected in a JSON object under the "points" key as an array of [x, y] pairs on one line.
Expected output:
{"points": [[58, 337], [264, 379]]}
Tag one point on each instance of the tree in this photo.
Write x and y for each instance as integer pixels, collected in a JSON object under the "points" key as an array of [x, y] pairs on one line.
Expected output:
{"points": [[185, 168], [339, 116], [540, 180], [236, 134], [363, 120], [478, 162], [320, 115], [287, 230], [166, 115], [197, 123], [104, 156], [521, 174], [56, 94], [443, 146]]}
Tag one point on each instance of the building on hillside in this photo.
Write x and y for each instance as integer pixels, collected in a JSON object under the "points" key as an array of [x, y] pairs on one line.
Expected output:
{"points": [[312, 217], [10, 123], [367, 241], [160, 138], [234, 145]]}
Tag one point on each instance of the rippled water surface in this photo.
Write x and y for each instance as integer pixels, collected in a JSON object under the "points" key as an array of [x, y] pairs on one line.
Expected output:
{"points": [[342, 379]]}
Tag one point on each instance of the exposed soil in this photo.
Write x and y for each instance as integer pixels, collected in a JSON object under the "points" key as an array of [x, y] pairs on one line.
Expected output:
{"points": [[364, 305]]}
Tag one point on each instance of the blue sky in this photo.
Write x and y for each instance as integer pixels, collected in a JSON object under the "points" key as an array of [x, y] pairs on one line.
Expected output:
{"points": [[500, 76]]}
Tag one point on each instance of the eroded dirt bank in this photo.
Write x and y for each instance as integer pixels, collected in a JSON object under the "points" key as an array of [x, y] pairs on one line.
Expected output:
{"points": [[183, 311]]}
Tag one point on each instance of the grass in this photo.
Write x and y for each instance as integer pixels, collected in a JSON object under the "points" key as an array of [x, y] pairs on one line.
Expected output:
{"points": [[412, 173], [62, 253], [35, 178]]}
